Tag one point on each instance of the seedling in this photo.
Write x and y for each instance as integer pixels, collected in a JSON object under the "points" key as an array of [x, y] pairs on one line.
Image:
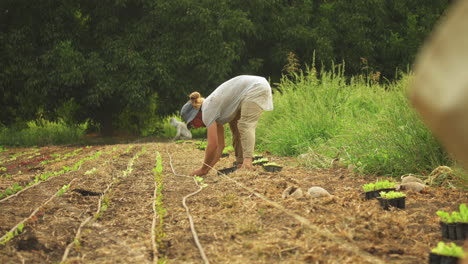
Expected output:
{"points": [[260, 161], [11, 234], [202, 145], [199, 181], [378, 185], [91, 171], [63, 189], [450, 250], [227, 149], [391, 195], [454, 217]]}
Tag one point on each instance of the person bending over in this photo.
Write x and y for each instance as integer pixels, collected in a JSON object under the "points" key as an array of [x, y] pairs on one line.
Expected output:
{"points": [[239, 101]]}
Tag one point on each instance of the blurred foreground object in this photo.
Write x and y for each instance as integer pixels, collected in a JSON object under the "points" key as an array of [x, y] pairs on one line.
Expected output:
{"points": [[439, 90]]}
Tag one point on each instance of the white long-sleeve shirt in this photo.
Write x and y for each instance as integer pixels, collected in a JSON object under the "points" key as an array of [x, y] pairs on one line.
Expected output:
{"points": [[222, 105]]}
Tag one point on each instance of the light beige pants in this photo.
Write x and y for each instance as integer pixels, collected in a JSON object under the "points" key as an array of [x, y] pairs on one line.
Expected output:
{"points": [[243, 130]]}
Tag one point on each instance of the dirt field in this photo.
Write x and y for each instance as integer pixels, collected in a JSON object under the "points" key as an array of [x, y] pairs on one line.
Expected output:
{"points": [[97, 204]]}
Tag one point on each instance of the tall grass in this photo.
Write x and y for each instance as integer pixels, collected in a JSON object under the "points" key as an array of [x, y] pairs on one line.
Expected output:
{"points": [[46, 133], [360, 122]]}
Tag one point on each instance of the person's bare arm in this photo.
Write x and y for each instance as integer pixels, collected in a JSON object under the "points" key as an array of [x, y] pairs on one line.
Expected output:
{"points": [[215, 135]]}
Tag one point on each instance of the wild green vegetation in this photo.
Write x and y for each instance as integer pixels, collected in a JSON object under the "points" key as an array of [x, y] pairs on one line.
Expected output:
{"points": [[41, 133], [361, 122], [125, 64]]}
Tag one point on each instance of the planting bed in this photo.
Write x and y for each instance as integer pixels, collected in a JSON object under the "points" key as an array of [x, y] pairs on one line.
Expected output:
{"points": [[238, 218]]}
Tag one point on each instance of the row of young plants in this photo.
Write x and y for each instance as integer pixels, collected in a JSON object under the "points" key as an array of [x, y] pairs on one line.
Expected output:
{"points": [[15, 188], [157, 227], [58, 157], [52, 158], [18, 229], [102, 200], [19, 154], [453, 225], [105, 201]]}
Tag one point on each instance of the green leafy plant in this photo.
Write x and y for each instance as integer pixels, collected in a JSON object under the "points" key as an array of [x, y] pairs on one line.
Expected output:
{"points": [[391, 195], [3, 169], [262, 160], [228, 149], [91, 171], [271, 164], [63, 189], [454, 217], [11, 234], [200, 180], [451, 250], [202, 145], [378, 185]]}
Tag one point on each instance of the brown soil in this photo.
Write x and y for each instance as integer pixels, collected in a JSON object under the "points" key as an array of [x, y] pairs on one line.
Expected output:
{"points": [[238, 218]]}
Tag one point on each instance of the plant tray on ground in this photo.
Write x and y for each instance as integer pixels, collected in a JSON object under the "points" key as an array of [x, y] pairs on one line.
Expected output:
{"points": [[227, 170], [257, 157], [454, 231], [375, 194], [440, 259], [260, 161], [395, 202], [272, 167]]}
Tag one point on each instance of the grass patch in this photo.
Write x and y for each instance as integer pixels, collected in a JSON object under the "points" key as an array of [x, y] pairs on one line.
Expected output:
{"points": [[368, 125], [42, 133]]}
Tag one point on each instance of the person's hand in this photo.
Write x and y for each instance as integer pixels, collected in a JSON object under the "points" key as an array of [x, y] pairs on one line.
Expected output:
{"points": [[199, 172]]}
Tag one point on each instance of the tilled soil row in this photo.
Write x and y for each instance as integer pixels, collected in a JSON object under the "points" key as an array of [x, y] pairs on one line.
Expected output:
{"points": [[53, 227], [178, 245], [30, 171], [239, 218], [236, 226], [122, 234]]}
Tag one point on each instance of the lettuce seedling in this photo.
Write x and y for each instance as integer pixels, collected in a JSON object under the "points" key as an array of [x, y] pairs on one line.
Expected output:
{"points": [[271, 164], [369, 187], [378, 185], [450, 250], [454, 217], [262, 160], [391, 195]]}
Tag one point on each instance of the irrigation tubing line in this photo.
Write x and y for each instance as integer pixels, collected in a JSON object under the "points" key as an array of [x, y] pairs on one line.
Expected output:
{"points": [[324, 232], [192, 225], [78, 232], [187, 210]]}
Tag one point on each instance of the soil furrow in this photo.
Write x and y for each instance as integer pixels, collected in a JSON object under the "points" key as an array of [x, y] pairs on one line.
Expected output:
{"points": [[124, 229], [53, 227]]}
